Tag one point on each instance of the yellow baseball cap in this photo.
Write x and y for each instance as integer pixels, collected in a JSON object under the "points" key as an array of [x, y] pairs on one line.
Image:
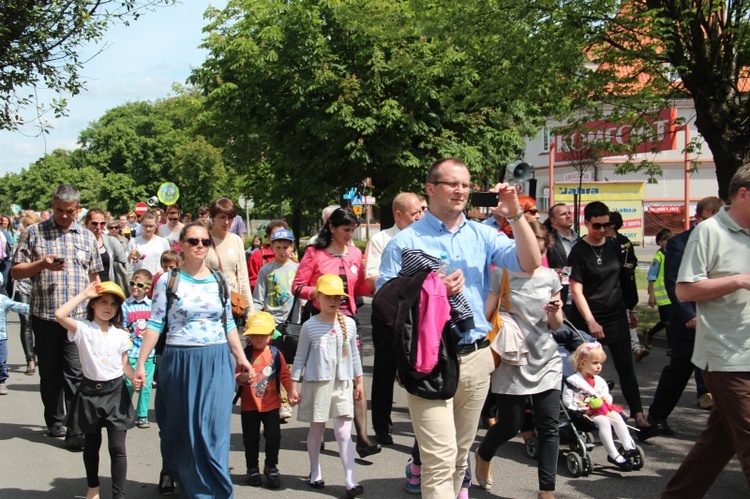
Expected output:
{"points": [[331, 285], [260, 323], [111, 288]]}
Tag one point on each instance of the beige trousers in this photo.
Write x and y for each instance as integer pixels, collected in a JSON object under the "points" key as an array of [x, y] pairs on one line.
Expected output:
{"points": [[445, 429]]}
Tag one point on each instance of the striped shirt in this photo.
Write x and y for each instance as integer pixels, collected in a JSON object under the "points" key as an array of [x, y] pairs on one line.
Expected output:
{"points": [[51, 289], [135, 315]]}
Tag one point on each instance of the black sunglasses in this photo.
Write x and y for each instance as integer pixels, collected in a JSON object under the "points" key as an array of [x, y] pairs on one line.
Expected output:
{"points": [[193, 241], [100, 224], [173, 219], [598, 226], [139, 285], [532, 211]]}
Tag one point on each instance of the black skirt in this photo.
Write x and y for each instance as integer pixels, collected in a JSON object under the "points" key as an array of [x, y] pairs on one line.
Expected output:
{"points": [[101, 404]]}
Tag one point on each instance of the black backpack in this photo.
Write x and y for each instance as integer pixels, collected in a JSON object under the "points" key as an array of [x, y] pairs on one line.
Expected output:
{"points": [[395, 309], [174, 280]]}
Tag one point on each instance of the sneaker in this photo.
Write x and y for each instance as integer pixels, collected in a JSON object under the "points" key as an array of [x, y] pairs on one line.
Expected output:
{"points": [[3, 389], [648, 340], [285, 412], [413, 482], [142, 423], [57, 431], [640, 354], [253, 478], [166, 484], [75, 442], [706, 401], [273, 479]]}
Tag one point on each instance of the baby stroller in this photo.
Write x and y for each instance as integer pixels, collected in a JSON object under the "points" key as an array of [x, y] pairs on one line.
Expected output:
{"points": [[576, 432]]}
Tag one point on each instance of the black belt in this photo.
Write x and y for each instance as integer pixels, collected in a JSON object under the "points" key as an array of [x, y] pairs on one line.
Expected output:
{"points": [[473, 347]]}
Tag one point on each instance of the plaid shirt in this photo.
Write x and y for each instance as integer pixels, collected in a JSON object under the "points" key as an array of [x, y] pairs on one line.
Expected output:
{"points": [[51, 289], [238, 226]]}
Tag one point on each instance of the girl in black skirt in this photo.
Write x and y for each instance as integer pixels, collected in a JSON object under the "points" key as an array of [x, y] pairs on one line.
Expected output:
{"points": [[102, 399]]}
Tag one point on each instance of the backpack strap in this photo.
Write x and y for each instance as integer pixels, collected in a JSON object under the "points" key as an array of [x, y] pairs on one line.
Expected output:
{"points": [[223, 294], [276, 367], [172, 283]]}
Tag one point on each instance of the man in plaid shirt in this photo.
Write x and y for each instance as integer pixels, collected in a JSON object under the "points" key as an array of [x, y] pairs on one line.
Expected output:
{"points": [[61, 258]]}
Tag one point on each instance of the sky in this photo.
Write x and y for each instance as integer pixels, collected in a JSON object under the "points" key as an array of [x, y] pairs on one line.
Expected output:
{"points": [[141, 62]]}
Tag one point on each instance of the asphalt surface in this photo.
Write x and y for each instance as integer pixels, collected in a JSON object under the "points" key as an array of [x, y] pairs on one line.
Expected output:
{"points": [[36, 466]]}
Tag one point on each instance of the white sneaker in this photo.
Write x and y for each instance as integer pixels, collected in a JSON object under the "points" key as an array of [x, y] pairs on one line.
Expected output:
{"points": [[4, 391], [285, 412]]}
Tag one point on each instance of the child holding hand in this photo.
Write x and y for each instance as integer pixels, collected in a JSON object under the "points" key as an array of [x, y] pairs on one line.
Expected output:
{"points": [[261, 399], [327, 354], [102, 399], [587, 392]]}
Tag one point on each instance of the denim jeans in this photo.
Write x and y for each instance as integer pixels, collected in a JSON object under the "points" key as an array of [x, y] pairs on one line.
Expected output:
{"points": [[3, 360]]}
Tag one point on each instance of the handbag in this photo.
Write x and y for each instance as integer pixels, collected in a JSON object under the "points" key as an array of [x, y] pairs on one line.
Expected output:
{"points": [[239, 304], [290, 330]]}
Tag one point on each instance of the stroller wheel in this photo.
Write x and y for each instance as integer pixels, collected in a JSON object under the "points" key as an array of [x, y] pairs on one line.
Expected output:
{"points": [[531, 446], [636, 456], [574, 463], [587, 467]]}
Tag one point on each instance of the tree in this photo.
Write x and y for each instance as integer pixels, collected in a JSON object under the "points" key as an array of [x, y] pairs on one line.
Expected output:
{"points": [[311, 97], [40, 43]]}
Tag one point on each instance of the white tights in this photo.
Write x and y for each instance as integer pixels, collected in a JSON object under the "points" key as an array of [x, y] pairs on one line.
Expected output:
{"points": [[342, 429], [605, 425]]}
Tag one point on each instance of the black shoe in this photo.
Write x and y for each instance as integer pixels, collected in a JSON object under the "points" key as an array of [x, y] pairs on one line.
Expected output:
{"points": [[317, 484], [253, 478], [662, 426], [384, 438], [368, 450], [273, 479], [57, 431], [624, 466], [166, 484], [646, 432], [355, 491], [75, 442]]}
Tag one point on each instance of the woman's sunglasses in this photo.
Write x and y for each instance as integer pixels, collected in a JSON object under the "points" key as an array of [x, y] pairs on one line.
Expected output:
{"points": [[531, 211], [139, 285], [193, 241]]}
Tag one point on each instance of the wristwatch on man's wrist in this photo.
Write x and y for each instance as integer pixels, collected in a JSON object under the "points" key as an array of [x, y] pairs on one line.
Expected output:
{"points": [[514, 218]]}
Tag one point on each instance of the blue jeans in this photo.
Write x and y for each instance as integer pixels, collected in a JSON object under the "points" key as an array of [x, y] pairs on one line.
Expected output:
{"points": [[3, 360]]}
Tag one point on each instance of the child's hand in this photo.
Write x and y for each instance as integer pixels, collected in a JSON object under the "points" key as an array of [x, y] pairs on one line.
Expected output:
{"points": [[293, 397], [137, 384], [359, 391], [92, 290]]}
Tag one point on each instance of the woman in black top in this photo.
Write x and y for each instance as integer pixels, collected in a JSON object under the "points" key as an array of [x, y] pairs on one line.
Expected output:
{"points": [[595, 263]]}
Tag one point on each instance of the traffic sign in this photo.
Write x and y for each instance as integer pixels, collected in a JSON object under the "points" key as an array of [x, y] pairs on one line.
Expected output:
{"points": [[141, 208], [357, 209]]}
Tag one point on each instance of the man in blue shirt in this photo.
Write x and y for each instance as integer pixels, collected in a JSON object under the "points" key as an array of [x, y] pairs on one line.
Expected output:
{"points": [[445, 429]]}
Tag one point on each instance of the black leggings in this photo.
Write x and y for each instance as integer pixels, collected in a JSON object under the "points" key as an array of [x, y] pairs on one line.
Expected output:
{"points": [[116, 453], [251, 437], [510, 417], [622, 359], [27, 336]]}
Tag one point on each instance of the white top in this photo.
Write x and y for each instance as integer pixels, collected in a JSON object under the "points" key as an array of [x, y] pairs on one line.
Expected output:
{"points": [[100, 354], [151, 250], [169, 234], [374, 250]]}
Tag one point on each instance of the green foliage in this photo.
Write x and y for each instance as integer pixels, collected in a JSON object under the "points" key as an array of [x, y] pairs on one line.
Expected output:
{"points": [[39, 47]]}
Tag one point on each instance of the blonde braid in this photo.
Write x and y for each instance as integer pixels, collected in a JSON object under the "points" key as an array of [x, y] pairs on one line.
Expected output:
{"points": [[342, 322]]}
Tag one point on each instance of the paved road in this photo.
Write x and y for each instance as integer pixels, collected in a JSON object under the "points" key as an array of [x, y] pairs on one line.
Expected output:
{"points": [[35, 466]]}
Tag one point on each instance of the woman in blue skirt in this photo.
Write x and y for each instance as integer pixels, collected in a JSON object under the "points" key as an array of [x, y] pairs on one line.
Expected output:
{"points": [[196, 374]]}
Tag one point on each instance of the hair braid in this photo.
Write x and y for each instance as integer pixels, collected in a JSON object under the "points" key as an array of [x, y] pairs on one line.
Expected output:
{"points": [[342, 322]]}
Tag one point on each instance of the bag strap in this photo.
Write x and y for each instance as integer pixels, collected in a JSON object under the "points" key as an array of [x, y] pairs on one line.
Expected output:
{"points": [[295, 306], [503, 299], [172, 283], [223, 294]]}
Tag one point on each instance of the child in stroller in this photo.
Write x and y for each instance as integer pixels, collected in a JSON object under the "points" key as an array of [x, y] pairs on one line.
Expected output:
{"points": [[586, 399]]}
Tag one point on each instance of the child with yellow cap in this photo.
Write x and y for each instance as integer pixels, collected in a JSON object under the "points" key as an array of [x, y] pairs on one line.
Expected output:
{"points": [[261, 400]]}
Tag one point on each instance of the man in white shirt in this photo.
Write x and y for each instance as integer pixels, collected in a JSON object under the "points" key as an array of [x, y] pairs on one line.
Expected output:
{"points": [[407, 209], [145, 250]]}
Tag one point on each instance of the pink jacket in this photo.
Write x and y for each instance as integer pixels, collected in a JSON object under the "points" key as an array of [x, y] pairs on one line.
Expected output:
{"points": [[317, 262], [434, 312]]}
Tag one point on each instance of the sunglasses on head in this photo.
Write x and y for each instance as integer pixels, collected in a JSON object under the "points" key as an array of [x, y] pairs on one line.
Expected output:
{"points": [[598, 226], [193, 241], [139, 285]]}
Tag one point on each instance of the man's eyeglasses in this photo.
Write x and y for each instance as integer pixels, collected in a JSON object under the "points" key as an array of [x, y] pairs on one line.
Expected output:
{"points": [[98, 224], [139, 285], [131, 217], [531, 211], [598, 226], [193, 241], [453, 185]]}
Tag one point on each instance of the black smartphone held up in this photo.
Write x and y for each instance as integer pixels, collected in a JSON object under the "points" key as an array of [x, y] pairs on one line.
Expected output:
{"points": [[58, 259], [484, 199]]}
